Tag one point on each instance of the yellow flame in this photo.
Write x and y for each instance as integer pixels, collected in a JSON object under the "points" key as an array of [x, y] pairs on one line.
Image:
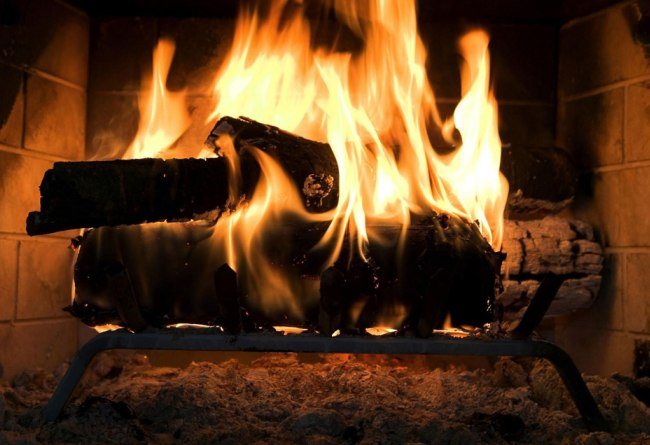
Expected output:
{"points": [[163, 114], [374, 108], [367, 104]]}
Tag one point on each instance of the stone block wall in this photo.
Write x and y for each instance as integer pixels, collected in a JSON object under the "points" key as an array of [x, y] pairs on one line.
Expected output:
{"points": [[604, 119], [43, 73]]}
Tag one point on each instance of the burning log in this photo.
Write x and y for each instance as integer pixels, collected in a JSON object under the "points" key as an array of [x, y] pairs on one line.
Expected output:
{"points": [[109, 193], [169, 277], [227, 299], [332, 301], [550, 245], [449, 270]]}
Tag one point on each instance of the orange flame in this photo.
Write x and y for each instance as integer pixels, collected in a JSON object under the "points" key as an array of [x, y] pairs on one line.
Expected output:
{"points": [[163, 114], [373, 108]]}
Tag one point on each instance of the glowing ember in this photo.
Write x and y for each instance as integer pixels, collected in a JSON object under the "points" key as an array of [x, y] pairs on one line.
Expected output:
{"points": [[380, 330], [289, 330], [190, 326]]}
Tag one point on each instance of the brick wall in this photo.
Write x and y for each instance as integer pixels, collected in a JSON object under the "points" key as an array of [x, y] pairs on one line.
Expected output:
{"points": [[604, 119], [43, 73]]}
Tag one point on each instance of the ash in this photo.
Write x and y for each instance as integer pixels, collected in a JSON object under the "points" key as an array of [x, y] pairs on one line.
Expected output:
{"points": [[332, 399]]}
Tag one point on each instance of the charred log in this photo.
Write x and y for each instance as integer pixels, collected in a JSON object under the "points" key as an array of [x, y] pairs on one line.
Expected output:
{"points": [[227, 298], [332, 303], [350, 297], [180, 257], [110, 193], [310, 165]]}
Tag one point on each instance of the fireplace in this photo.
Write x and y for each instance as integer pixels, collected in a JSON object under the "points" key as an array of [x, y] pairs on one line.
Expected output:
{"points": [[315, 178]]}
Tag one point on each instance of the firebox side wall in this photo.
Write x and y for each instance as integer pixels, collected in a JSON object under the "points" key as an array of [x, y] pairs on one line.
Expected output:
{"points": [[43, 77], [604, 119]]}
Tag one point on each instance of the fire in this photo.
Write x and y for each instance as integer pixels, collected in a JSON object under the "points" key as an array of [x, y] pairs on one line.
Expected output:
{"points": [[374, 108], [163, 114], [364, 105]]}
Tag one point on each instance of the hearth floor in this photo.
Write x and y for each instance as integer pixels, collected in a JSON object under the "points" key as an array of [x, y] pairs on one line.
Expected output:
{"points": [[330, 399]]}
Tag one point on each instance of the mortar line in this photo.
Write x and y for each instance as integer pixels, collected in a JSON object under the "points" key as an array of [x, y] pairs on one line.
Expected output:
{"points": [[76, 10], [25, 237], [115, 92], [15, 315], [45, 75], [627, 249], [623, 291], [591, 15], [618, 167], [32, 153], [624, 123], [605, 88], [23, 92], [40, 320]]}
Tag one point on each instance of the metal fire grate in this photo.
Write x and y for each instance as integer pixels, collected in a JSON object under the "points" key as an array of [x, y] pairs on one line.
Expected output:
{"points": [[212, 339]]}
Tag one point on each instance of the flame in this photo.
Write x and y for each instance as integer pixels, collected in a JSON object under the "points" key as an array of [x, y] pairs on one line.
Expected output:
{"points": [[163, 114], [364, 105], [374, 108]]}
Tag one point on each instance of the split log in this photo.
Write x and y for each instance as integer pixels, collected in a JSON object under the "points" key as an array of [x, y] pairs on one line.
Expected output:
{"points": [[550, 245], [109, 193]]}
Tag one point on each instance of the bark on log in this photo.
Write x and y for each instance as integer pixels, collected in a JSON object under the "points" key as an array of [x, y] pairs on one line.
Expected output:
{"points": [[109, 193], [550, 245], [78, 195]]}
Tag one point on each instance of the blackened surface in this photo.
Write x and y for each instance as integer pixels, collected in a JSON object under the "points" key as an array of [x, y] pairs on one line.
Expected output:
{"points": [[121, 52], [540, 173]]}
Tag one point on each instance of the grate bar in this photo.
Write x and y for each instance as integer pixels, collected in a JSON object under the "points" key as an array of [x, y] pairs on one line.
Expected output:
{"points": [[209, 339]]}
